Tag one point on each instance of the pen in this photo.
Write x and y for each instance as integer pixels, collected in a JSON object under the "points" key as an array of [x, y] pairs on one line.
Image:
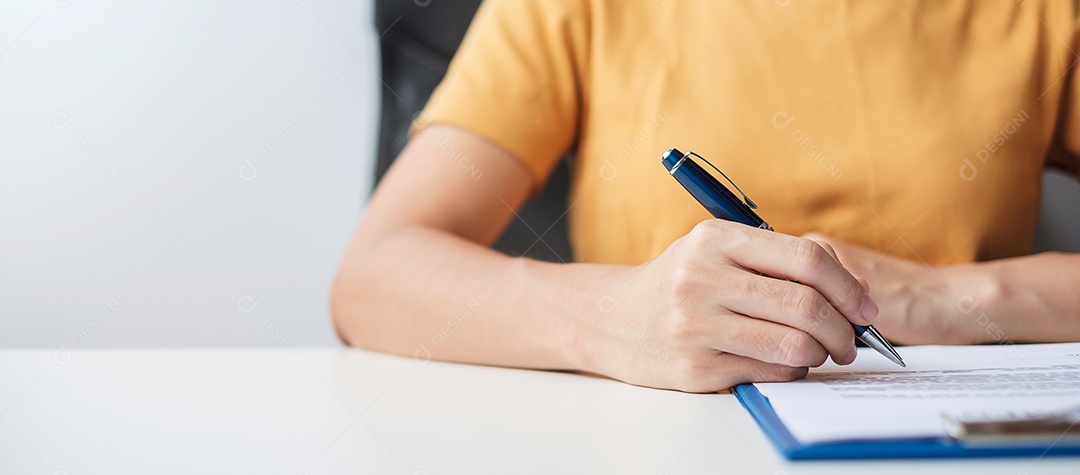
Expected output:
{"points": [[723, 204]]}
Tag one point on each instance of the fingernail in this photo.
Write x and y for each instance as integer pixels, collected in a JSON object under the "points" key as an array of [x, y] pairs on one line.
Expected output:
{"points": [[853, 353], [869, 309]]}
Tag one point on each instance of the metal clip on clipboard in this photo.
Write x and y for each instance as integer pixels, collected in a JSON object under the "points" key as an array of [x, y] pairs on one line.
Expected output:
{"points": [[1061, 428]]}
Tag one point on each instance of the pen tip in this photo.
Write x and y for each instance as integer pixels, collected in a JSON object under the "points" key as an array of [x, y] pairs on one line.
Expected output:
{"points": [[902, 364]]}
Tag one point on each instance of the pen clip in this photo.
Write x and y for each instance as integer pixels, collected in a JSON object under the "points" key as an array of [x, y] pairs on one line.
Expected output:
{"points": [[746, 199]]}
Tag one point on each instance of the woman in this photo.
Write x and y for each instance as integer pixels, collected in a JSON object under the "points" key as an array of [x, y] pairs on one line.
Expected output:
{"points": [[896, 147]]}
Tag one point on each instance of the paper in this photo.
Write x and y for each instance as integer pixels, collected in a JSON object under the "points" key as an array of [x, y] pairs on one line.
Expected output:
{"points": [[875, 399]]}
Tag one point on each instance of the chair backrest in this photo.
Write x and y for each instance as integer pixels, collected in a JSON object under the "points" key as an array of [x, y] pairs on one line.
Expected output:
{"points": [[1059, 220], [418, 39]]}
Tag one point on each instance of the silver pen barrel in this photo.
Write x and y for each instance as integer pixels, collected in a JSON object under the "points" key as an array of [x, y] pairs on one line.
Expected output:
{"points": [[873, 339]]}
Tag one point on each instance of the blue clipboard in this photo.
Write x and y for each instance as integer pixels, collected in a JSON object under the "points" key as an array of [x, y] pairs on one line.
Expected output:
{"points": [[792, 449]]}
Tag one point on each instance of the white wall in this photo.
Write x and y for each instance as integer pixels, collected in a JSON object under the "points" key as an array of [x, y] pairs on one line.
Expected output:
{"points": [[180, 173]]}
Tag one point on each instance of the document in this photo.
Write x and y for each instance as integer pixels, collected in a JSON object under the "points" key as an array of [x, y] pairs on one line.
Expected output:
{"points": [[874, 399]]}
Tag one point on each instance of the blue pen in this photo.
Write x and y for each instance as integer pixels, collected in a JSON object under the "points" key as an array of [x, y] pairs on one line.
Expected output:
{"points": [[723, 204]]}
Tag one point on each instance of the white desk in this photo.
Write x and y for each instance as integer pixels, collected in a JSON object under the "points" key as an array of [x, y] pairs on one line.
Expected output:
{"points": [[349, 411]]}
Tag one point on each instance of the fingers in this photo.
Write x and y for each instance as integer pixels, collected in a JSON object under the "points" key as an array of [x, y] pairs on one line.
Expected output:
{"points": [[712, 373], [800, 309], [753, 371], [766, 341], [729, 324], [832, 252], [801, 260]]}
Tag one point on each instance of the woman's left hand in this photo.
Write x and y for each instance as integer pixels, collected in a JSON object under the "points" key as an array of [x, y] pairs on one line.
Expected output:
{"points": [[919, 305]]}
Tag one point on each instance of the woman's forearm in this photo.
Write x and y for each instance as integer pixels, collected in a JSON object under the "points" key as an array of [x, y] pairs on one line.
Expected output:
{"points": [[1025, 299], [419, 280], [429, 294]]}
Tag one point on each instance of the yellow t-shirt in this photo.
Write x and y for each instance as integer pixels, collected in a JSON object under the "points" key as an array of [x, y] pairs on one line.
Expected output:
{"points": [[917, 128]]}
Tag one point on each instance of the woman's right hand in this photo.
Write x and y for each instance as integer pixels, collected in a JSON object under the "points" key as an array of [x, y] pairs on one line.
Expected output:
{"points": [[724, 305]]}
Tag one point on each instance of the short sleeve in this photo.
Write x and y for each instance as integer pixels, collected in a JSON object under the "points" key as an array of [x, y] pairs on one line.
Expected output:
{"points": [[516, 80], [1065, 150]]}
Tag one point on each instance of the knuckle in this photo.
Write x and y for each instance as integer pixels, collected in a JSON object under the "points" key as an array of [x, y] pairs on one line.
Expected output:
{"points": [[703, 227], [777, 373], [690, 374], [712, 227], [743, 284], [759, 342], [704, 232], [736, 236], [791, 373], [852, 295], [804, 305], [796, 349], [719, 233], [809, 255], [686, 282]]}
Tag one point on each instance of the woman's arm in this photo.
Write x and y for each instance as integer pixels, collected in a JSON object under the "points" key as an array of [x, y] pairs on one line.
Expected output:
{"points": [[418, 276], [419, 279], [1024, 299]]}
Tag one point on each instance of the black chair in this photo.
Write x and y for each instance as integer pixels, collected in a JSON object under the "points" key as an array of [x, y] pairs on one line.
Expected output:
{"points": [[418, 39]]}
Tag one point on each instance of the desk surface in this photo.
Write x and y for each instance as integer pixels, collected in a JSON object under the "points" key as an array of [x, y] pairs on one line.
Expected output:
{"points": [[334, 410]]}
